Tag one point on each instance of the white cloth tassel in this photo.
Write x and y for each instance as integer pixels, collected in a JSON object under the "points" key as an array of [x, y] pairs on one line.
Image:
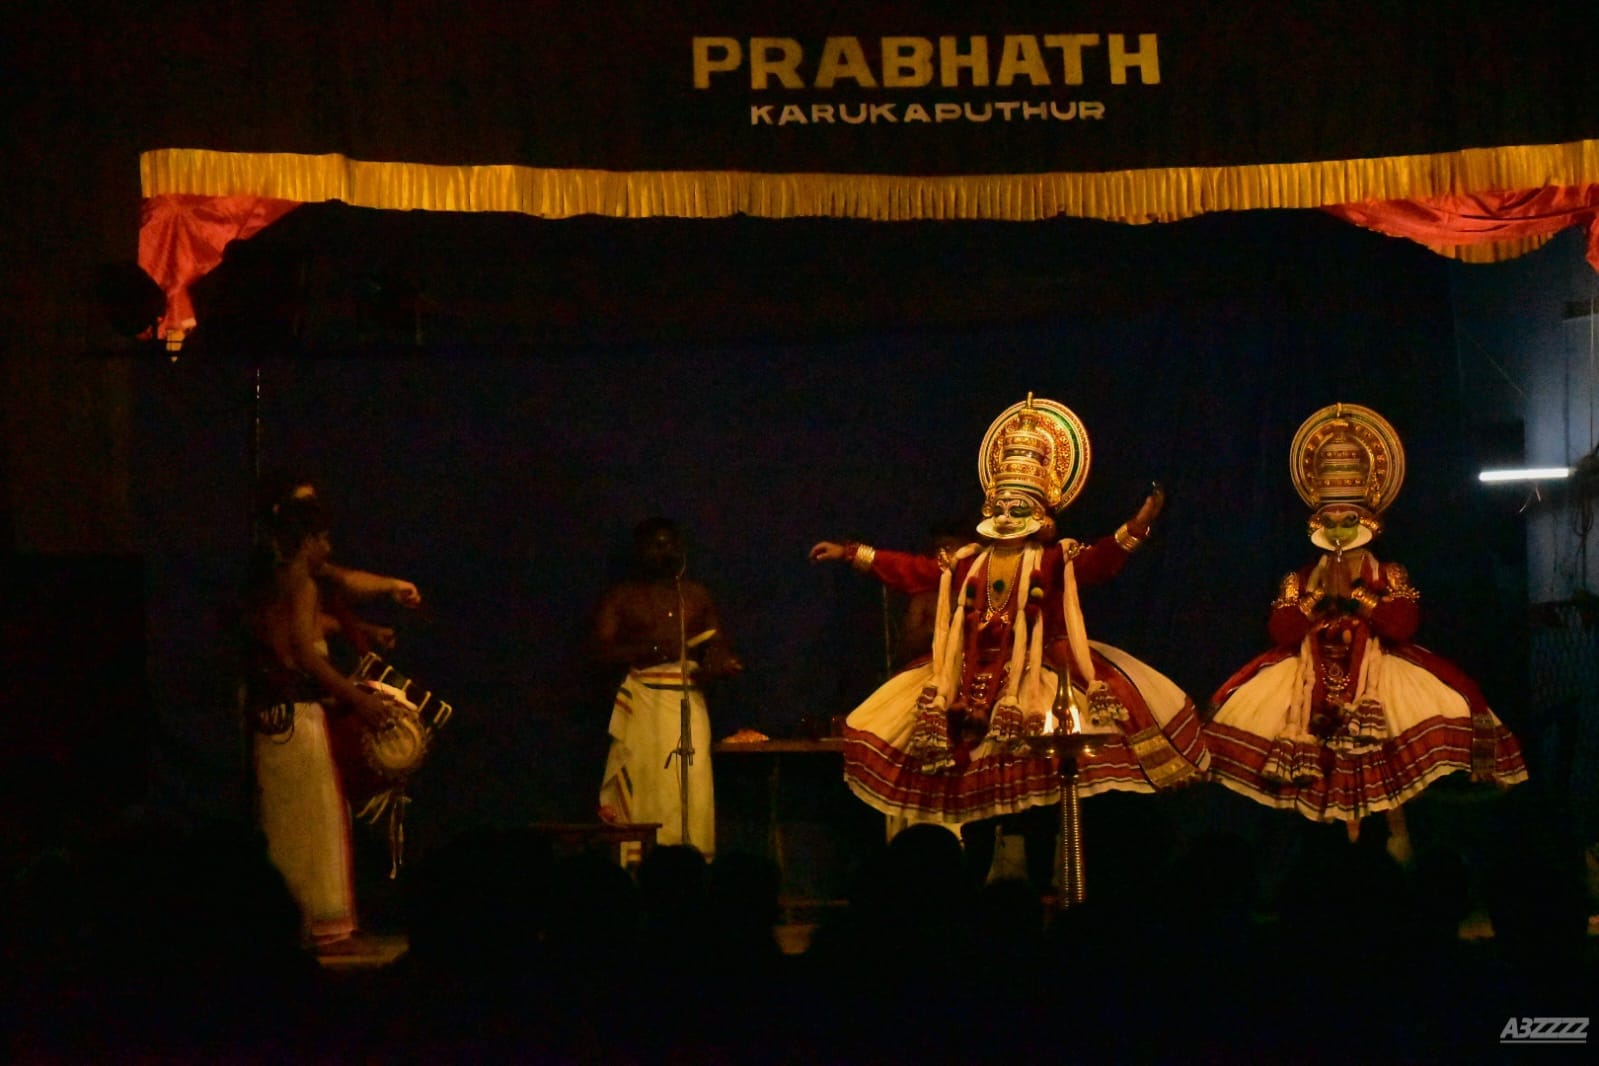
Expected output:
{"points": [[950, 669], [947, 625], [1034, 698], [1370, 670], [1018, 657], [1371, 661], [939, 633], [1076, 631], [949, 680]]}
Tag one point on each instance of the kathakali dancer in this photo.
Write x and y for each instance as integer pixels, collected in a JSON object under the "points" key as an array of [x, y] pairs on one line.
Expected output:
{"points": [[1345, 716], [945, 739]]}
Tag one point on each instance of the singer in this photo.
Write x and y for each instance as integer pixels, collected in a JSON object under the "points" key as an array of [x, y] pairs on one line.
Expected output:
{"points": [[663, 627]]}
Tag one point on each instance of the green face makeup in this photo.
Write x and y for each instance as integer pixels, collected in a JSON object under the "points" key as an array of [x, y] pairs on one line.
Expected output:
{"points": [[1341, 527]]}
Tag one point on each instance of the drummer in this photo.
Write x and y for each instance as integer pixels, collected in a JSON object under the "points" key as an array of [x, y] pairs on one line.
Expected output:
{"points": [[289, 687], [339, 585]]}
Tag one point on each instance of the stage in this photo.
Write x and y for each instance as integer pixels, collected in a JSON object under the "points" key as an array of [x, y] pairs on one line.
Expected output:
{"points": [[375, 951]]}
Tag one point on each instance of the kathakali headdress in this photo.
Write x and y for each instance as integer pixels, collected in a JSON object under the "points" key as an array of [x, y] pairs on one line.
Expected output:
{"points": [[1346, 455], [1038, 447]]}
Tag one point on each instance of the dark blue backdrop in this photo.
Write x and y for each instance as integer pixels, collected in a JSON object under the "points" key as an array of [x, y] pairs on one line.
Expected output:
{"points": [[491, 403]]}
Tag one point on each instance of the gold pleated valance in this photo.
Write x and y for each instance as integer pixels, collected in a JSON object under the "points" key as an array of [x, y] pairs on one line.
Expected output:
{"points": [[1154, 195]]}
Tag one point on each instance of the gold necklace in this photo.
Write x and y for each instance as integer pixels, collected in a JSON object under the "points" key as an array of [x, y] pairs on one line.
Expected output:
{"points": [[1002, 583]]}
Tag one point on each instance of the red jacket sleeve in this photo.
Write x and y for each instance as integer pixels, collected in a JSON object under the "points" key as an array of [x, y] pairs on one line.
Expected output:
{"points": [[1398, 609], [1287, 626], [905, 572], [1099, 561], [1288, 623], [1396, 620]]}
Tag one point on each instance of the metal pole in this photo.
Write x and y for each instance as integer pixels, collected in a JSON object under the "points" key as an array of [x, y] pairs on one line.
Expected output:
{"points": [[1072, 888], [888, 639], [685, 738]]}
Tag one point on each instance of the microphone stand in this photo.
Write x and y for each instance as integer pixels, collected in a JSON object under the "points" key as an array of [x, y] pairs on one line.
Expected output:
{"points": [[684, 752]]}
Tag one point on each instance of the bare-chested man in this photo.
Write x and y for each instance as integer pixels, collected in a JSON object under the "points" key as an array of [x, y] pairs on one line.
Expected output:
{"points": [[291, 689], [664, 628], [340, 585]]}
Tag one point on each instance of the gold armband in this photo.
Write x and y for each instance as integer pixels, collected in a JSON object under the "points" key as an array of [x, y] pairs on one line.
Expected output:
{"points": [[1288, 595], [1365, 597], [1127, 539], [861, 556], [1399, 586]]}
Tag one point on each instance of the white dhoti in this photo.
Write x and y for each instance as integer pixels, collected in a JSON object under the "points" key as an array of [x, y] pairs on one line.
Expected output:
{"points": [[306, 822], [642, 775]]}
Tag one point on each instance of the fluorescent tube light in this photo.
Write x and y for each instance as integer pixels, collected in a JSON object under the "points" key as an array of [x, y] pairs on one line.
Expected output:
{"points": [[1530, 473]]}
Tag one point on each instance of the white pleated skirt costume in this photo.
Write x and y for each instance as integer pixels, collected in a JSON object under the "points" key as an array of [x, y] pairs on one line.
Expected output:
{"points": [[1152, 741], [1401, 718]]}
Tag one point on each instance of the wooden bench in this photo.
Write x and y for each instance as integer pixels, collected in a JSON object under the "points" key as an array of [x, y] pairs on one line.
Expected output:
{"points": [[626, 843]]}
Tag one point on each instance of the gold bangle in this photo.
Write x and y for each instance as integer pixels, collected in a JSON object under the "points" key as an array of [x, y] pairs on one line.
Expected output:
{"points": [[1127, 539], [862, 557], [1365, 597]]}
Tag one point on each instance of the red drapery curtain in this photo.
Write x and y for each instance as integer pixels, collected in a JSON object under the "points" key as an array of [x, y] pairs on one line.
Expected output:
{"points": [[182, 238], [1470, 226]]}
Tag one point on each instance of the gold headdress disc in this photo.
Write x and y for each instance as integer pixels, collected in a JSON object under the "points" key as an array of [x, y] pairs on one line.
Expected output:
{"points": [[1039, 447], [1346, 453]]}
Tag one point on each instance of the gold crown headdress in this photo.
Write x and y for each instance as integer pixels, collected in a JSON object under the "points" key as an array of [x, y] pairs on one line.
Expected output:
{"points": [[1039, 447], [1348, 454]]}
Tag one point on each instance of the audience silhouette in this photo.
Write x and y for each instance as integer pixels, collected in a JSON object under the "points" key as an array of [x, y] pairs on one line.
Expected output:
{"points": [[156, 941]]}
